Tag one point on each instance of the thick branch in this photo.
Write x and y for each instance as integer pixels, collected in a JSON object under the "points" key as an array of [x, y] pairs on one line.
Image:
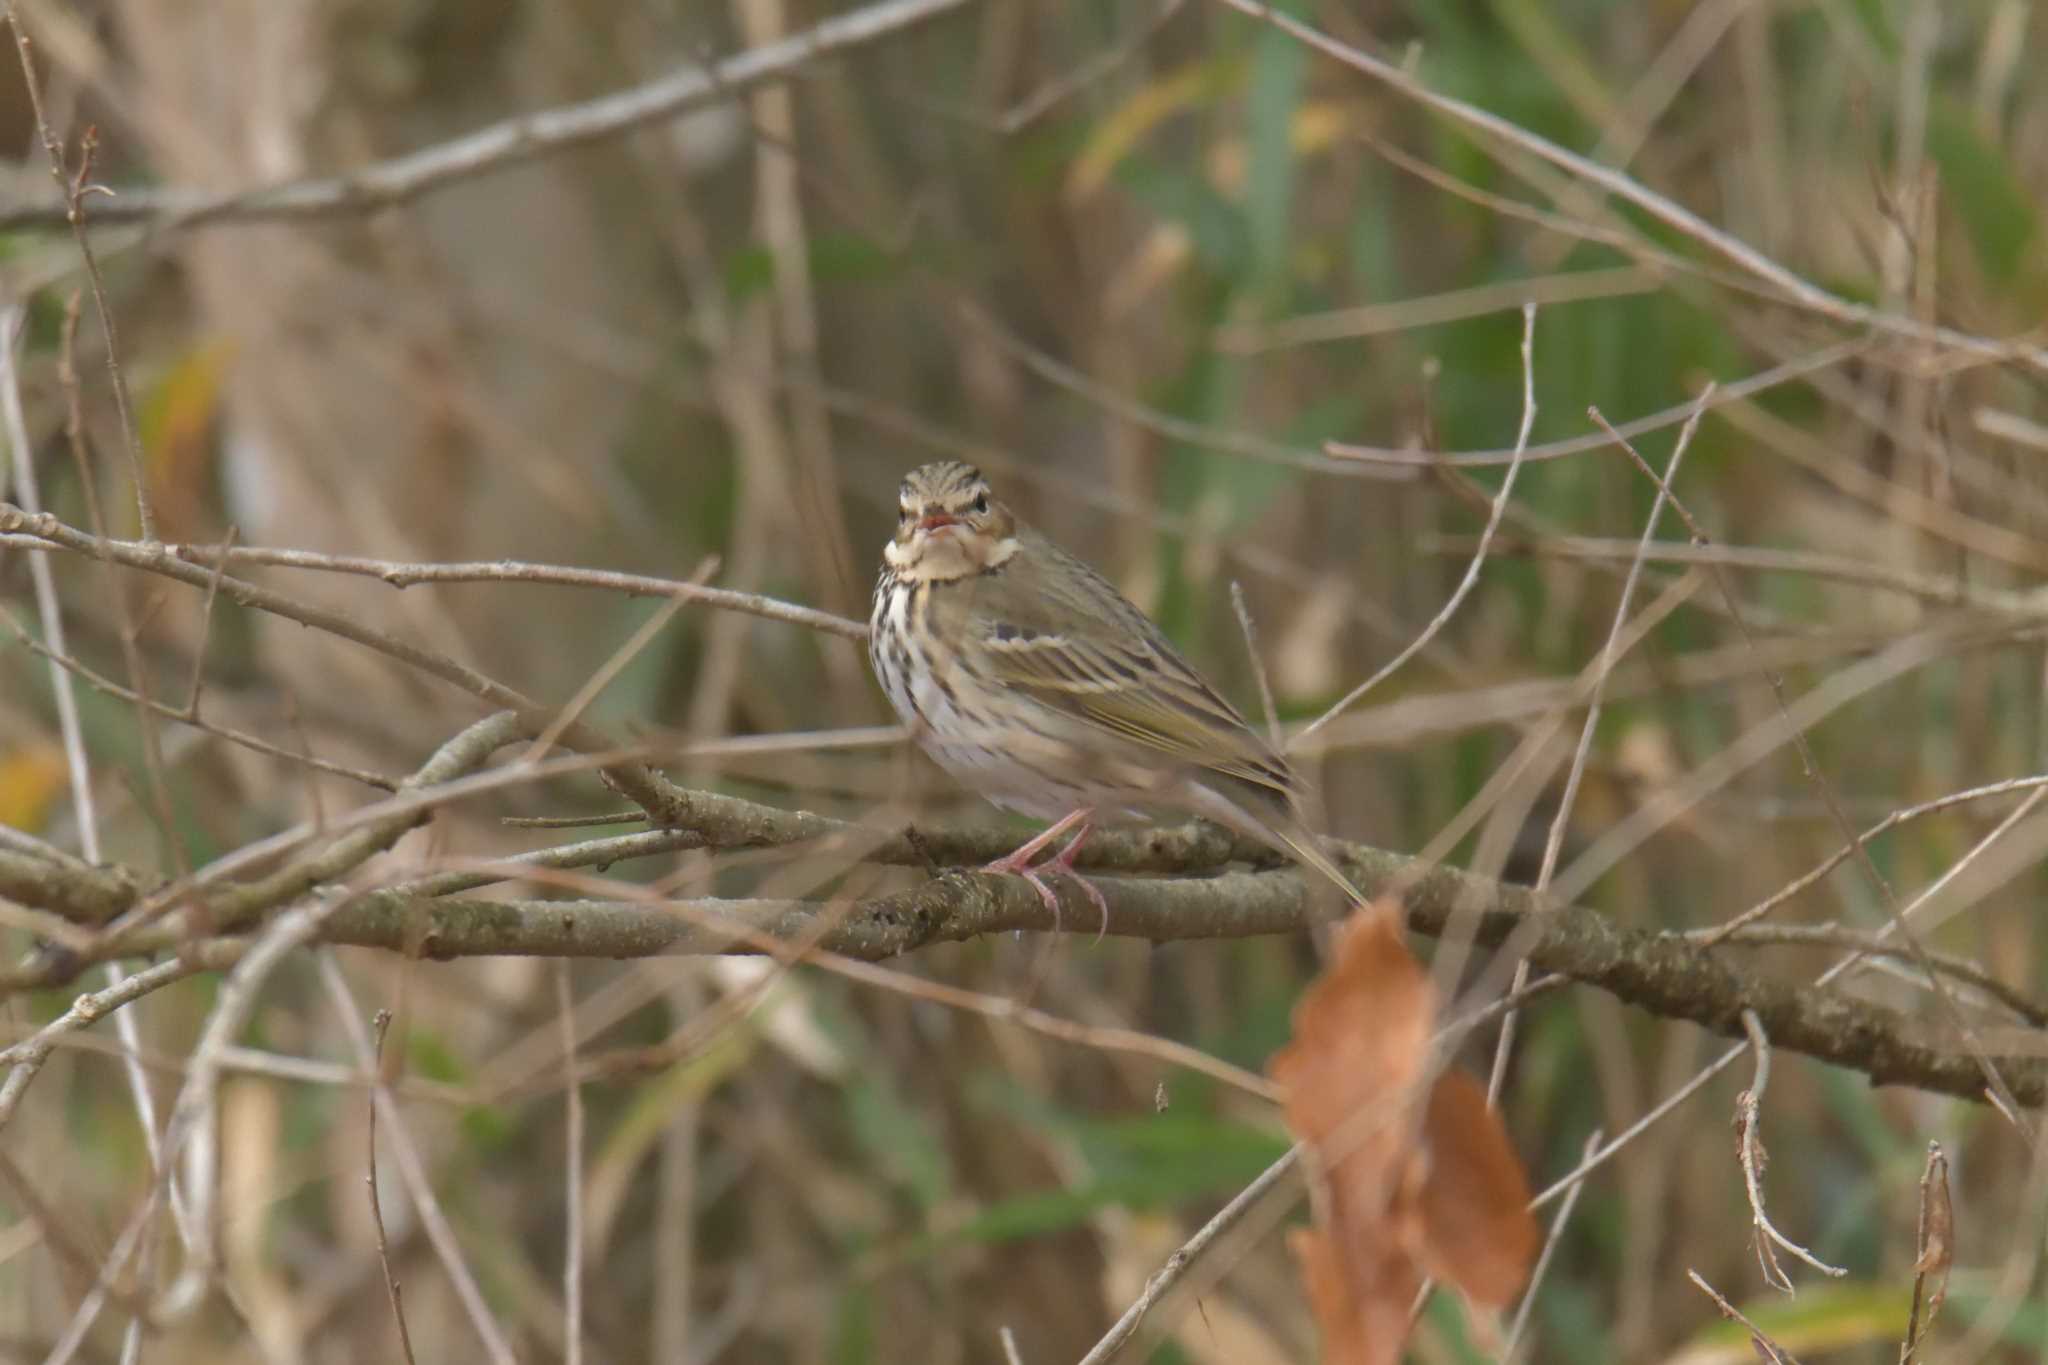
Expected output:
{"points": [[1663, 974], [1660, 973], [84, 894]]}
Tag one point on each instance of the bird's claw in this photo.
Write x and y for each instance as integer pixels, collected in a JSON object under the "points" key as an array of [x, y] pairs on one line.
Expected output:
{"points": [[1034, 876]]}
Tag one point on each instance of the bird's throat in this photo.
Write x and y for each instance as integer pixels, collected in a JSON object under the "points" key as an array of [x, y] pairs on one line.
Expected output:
{"points": [[943, 558]]}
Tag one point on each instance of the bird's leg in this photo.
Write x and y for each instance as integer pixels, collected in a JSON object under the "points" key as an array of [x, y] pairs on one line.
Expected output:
{"points": [[1019, 864]]}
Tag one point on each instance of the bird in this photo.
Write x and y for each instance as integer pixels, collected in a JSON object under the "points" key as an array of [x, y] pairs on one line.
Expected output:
{"points": [[1034, 682]]}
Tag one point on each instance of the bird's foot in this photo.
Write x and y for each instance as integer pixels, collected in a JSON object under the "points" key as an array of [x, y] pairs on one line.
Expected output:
{"points": [[1019, 864]]}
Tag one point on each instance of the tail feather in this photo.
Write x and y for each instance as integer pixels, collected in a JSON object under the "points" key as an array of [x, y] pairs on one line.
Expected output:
{"points": [[1302, 844], [1282, 832]]}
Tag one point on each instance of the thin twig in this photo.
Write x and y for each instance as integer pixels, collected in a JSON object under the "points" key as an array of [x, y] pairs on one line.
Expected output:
{"points": [[1767, 1350], [1610, 655], [412, 1169], [127, 627], [188, 716], [1729, 393], [73, 735], [193, 1135], [44, 584], [1163, 1279], [1671, 1102], [402, 574], [1750, 1149], [1709, 937], [1464, 588], [1934, 1252], [1946, 591], [1550, 1245], [1396, 315], [509, 142], [220, 565], [74, 186], [572, 1191], [1867, 944], [26, 1057], [1247, 444], [380, 1025], [1036, 105], [1251, 650], [601, 679]]}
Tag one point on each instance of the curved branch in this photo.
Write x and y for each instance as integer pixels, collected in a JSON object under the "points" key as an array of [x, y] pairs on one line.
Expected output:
{"points": [[1658, 972], [1661, 973]]}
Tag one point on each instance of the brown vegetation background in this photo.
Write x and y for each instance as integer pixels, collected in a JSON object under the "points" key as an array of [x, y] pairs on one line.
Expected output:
{"points": [[1140, 262]]}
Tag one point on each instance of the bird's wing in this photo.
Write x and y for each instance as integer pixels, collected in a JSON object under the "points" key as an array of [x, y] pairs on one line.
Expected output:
{"points": [[1071, 642]]}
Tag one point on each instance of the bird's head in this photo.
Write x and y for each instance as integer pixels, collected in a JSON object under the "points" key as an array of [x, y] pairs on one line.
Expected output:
{"points": [[948, 524]]}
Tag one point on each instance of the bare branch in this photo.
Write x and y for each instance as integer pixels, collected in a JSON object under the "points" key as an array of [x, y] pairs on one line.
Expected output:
{"points": [[400, 574], [505, 144]]}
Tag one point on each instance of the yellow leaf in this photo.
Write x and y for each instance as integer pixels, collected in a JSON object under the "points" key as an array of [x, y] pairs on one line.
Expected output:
{"points": [[29, 780], [176, 426], [1130, 122], [1822, 1318]]}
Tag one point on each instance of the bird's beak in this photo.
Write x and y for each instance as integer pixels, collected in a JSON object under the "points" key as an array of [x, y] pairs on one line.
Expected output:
{"points": [[934, 521]]}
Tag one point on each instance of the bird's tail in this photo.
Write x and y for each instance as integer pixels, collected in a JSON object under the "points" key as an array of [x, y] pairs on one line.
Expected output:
{"points": [[1301, 842], [1285, 833]]}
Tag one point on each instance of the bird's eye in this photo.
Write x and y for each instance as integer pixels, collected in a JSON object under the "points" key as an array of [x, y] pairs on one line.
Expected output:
{"points": [[903, 514], [981, 502]]}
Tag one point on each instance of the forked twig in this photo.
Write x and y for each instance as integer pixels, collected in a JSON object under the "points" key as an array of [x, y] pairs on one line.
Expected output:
{"points": [[1750, 1149]]}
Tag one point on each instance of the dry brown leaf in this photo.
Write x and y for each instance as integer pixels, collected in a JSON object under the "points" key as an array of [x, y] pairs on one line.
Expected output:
{"points": [[1937, 1251], [1481, 1235], [1361, 1297], [1399, 1201]]}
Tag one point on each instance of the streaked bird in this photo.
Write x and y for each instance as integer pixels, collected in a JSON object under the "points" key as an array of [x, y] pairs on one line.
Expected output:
{"points": [[1037, 684]]}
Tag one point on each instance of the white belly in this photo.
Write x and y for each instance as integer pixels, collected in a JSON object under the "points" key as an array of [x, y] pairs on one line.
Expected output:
{"points": [[1007, 764]]}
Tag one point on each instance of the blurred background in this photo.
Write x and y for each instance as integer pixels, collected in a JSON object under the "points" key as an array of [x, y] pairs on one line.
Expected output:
{"points": [[1138, 261]]}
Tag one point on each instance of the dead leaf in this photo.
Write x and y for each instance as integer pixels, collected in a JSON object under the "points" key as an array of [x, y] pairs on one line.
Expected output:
{"points": [[1398, 1199], [1937, 1251], [1481, 1235]]}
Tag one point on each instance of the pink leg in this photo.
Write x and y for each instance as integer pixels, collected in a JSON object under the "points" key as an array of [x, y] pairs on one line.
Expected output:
{"points": [[1019, 864]]}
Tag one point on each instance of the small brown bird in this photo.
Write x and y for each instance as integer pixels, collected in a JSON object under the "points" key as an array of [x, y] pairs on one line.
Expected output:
{"points": [[1030, 678]]}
